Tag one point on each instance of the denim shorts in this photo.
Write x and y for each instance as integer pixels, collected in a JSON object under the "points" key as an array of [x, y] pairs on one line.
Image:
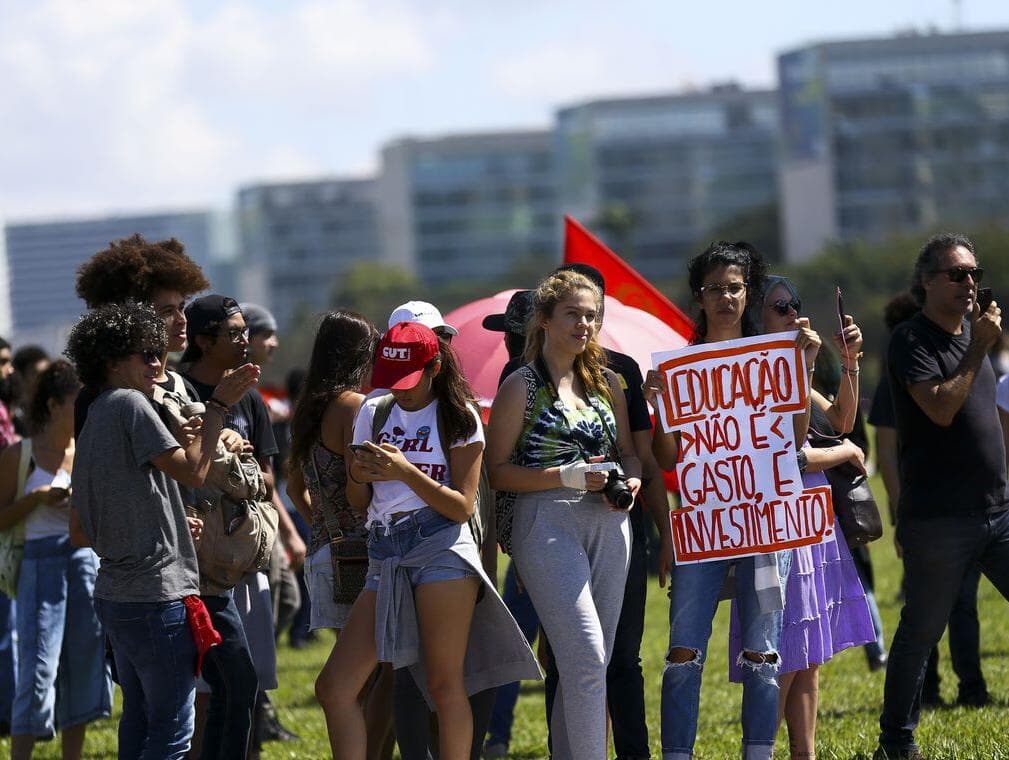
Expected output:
{"points": [[400, 539], [61, 645]]}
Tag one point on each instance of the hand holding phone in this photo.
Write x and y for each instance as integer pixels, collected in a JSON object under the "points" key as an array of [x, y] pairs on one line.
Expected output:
{"points": [[840, 309], [984, 299]]}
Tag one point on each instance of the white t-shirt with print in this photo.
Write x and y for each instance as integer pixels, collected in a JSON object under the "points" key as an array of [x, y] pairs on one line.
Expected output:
{"points": [[416, 435]]}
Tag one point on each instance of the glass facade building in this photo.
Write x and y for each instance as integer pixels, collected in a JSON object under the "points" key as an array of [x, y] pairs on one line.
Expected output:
{"points": [[893, 135], [469, 206], [657, 176], [297, 240], [43, 258]]}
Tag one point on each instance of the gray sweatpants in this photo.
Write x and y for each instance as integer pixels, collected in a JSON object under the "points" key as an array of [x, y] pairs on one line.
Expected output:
{"points": [[572, 552]]}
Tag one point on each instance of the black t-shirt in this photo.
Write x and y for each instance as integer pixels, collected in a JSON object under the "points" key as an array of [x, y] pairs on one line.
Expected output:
{"points": [[953, 470], [628, 374], [249, 418], [881, 411]]}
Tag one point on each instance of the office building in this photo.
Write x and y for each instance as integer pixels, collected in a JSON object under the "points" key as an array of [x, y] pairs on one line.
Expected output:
{"points": [[43, 258], [297, 240], [896, 135], [469, 206], [657, 177]]}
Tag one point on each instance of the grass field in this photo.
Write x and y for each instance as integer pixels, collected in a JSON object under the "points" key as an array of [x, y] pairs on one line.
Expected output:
{"points": [[849, 699]]}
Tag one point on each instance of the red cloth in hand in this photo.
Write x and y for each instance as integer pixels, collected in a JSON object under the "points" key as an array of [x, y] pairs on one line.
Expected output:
{"points": [[205, 635]]}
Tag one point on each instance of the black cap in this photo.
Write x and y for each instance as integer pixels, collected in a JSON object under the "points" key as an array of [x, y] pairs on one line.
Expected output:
{"points": [[205, 314], [516, 314]]}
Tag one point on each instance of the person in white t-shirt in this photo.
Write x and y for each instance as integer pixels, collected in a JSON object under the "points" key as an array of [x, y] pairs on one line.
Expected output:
{"points": [[424, 570]]}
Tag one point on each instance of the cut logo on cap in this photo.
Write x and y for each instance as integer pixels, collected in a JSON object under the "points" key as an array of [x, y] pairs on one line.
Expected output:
{"points": [[396, 353]]}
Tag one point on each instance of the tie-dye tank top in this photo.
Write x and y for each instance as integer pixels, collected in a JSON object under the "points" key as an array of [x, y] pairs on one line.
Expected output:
{"points": [[554, 435]]}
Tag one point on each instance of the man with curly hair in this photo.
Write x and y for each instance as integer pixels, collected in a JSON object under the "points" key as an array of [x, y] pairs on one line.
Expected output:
{"points": [[127, 502], [133, 269]]}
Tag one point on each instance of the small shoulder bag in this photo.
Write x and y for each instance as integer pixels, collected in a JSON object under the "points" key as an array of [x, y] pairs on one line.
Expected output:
{"points": [[348, 554]]}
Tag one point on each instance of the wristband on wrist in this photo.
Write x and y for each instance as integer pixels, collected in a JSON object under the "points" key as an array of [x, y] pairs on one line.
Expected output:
{"points": [[219, 405]]}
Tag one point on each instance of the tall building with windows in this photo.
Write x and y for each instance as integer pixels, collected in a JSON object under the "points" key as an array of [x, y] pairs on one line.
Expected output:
{"points": [[656, 177], [469, 206], [43, 257], [884, 136], [297, 239]]}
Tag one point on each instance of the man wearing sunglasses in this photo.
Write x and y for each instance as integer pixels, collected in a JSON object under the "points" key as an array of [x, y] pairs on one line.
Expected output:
{"points": [[952, 508]]}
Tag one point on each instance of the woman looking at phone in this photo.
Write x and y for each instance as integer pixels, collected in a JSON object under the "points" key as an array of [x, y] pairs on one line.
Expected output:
{"points": [[571, 546], [61, 646], [424, 575]]}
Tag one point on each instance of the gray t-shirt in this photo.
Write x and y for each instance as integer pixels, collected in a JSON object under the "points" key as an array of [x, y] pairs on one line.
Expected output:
{"points": [[130, 510]]}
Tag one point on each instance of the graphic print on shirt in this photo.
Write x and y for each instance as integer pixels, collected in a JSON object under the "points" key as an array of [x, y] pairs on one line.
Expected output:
{"points": [[419, 442]]}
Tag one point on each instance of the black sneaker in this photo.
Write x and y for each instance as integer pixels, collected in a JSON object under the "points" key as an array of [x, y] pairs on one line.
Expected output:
{"points": [[899, 754], [974, 699]]}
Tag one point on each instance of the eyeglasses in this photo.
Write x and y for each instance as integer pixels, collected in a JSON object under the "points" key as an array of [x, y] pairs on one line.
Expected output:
{"points": [[716, 290], [149, 356], [959, 274], [236, 334], [781, 306]]}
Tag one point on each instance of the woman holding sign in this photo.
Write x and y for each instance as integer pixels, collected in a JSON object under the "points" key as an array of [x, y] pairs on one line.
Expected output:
{"points": [[825, 606], [727, 281], [571, 536]]}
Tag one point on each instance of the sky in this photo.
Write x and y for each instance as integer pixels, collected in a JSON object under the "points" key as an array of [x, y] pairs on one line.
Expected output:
{"points": [[117, 106]]}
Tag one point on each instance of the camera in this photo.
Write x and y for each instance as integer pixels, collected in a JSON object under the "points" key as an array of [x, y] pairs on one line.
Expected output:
{"points": [[616, 490]]}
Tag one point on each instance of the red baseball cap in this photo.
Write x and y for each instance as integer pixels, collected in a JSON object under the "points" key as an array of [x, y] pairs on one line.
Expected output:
{"points": [[402, 354]]}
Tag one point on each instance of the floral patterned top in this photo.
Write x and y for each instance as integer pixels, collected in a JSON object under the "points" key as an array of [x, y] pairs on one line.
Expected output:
{"points": [[556, 435], [329, 491]]}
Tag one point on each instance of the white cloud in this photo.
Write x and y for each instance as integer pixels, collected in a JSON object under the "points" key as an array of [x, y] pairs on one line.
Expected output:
{"points": [[133, 103]]}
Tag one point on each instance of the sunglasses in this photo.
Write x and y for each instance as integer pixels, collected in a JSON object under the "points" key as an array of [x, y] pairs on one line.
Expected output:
{"points": [[959, 274], [715, 290], [149, 356], [781, 306]]}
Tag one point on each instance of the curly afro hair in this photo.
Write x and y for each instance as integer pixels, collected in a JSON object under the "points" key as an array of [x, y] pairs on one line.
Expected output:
{"points": [[110, 333], [133, 269]]}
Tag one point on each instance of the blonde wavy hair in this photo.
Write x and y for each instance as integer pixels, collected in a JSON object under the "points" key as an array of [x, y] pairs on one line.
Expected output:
{"points": [[591, 363]]}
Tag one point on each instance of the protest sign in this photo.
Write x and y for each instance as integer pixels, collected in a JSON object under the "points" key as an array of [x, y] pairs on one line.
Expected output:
{"points": [[741, 491]]}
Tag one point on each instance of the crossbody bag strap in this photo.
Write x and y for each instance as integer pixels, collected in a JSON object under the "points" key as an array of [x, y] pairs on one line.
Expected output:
{"points": [[329, 518], [24, 465]]}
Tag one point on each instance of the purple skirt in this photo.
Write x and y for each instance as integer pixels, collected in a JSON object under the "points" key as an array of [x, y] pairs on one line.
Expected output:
{"points": [[825, 608]]}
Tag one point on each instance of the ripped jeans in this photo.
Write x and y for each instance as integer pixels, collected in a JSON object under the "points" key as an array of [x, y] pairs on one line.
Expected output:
{"points": [[693, 599]]}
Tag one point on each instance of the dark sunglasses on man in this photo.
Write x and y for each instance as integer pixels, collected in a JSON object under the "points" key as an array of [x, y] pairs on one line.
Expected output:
{"points": [[959, 274]]}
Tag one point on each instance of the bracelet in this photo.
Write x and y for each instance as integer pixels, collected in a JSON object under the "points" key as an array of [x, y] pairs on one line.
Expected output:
{"points": [[217, 409], [215, 403]]}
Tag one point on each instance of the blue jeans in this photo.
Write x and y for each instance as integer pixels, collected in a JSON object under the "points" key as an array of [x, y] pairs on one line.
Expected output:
{"points": [[229, 671], [693, 599], [938, 554], [155, 659], [521, 607], [400, 539], [8, 657], [61, 645]]}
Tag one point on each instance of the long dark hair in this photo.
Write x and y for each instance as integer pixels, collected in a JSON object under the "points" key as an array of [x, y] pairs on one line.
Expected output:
{"points": [[58, 381], [455, 397], [723, 254], [341, 360]]}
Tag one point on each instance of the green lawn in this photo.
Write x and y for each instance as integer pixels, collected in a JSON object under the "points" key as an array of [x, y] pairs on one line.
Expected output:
{"points": [[850, 696]]}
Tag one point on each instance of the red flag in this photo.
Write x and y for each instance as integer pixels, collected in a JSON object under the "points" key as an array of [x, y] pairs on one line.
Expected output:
{"points": [[623, 282]]}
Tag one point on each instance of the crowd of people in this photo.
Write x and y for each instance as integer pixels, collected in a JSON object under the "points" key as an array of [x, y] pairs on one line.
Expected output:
{"points": [[167, 519]]}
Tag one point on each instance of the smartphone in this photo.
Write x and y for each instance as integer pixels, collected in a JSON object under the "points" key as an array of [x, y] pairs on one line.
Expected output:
{"points": [[984, 299], [840, 308], [355, 447]]}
